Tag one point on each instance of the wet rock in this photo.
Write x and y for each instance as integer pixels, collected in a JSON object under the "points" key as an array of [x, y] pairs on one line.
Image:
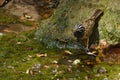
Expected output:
{"points": [[36, 9]]}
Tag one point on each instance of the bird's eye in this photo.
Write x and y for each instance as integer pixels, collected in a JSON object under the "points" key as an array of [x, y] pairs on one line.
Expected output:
{"points": [[80, 27], [6, 1]]}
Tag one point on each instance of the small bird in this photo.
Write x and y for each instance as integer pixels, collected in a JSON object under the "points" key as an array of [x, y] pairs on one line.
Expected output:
{"points": [[84, 31], [79, 31]]}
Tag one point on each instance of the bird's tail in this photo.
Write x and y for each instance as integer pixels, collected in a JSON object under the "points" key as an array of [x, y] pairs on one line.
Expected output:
{"points": [[98, 13]]}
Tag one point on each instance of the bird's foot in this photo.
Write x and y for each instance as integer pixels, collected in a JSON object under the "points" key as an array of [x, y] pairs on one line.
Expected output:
{"points": [[87, 51]]}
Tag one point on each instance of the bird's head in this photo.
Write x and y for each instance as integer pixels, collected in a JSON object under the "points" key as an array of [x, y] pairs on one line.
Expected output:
{"points": [[79, 31]]}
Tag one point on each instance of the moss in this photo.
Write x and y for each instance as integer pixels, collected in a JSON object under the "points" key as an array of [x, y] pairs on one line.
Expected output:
{"points": [[5, 18]]}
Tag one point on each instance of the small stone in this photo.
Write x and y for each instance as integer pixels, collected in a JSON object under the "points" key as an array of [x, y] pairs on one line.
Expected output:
{"points": [[28, 17], [55, 62], [47, 66], [1, 34], [19, 42], [102, 70], [76, 62], [86, 78], [69, 69], [97, 75], [67, 52], [118, 74], [69, 61], [29, 56], [10, 67], [27, 71], [105, 78], [54, 71], [37, 66]]}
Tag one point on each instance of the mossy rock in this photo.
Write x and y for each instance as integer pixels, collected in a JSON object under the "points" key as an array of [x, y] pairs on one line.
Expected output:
{"points": [[58, 28]]}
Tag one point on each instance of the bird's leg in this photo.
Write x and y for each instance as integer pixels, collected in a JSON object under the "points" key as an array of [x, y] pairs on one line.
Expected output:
{"points": [[87, 50], [87, 46]]}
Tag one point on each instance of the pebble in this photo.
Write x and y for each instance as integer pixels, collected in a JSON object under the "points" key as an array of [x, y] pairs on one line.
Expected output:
{"points": [[1, 34], [54, 71], [19, 42], [102, 70], [55, 62], [10, 67], [105, 78]]}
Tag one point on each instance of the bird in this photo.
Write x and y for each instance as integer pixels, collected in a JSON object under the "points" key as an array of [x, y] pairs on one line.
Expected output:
{"points": [[84, 30]]}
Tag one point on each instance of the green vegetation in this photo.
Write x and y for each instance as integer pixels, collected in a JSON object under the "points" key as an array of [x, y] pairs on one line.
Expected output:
{"points": [[19, 53], [5, 18]]}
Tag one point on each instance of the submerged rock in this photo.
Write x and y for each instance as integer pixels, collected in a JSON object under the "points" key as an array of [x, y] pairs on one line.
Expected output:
{"points": [[37, 9]]}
